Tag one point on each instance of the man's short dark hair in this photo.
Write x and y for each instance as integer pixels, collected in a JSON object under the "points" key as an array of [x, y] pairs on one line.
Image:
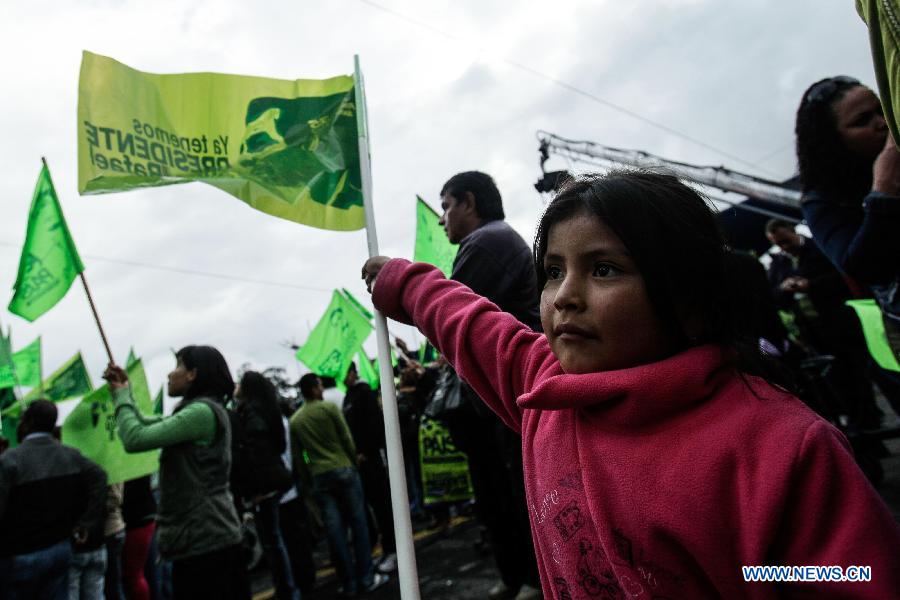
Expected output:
{"points": [[488, 203], [40, 416], [772, 225], [307, 383]]}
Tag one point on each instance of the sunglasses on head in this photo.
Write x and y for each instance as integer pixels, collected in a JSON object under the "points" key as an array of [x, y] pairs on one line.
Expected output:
{"points": [[825, 89]]}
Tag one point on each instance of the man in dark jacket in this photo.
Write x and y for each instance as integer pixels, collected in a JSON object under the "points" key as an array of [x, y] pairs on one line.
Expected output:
{"points": [[48, 492], [496, 263]]}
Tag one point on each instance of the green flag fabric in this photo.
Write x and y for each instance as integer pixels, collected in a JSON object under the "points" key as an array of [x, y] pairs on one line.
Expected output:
{"points": [[49, 261], [335, 339], [91, 428], [69, 381], [432, 245], [131, 358], [27, 363], [8, 426], [368, 371], [872, 321], [286, 148], [357, 304], [7, 368], [158, 404]]}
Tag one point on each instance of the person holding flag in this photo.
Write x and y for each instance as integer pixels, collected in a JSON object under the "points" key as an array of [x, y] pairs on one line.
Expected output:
{"points": [[197, 523]]}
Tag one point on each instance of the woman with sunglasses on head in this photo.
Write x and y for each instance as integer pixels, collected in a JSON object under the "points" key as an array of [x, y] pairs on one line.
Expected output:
{"points": [[197, 523], [850, 172]]}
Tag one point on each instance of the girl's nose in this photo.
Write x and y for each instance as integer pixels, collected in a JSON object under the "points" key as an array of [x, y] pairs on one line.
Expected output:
{"points": [[568, 295]]}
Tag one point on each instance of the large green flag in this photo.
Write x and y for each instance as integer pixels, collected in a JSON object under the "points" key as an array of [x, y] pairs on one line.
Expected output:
{"points": [[432, 245], [287, 148], [7, 368], [49, 260], [91, 428], [69, 381], [335, 339], [27, 362]]}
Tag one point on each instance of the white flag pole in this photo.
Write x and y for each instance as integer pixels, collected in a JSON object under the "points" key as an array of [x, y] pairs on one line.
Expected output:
{"points": [[406, 552]]}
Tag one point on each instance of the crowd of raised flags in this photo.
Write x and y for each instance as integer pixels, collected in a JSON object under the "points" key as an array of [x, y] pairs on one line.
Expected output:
{"points": [[293, 149]]}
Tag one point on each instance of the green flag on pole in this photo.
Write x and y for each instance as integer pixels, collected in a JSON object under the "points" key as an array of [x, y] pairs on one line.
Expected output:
{"points": [[286, 148], [335, 339], [49, 260], [91, 428], [27, 362], [69, 381], [432, 245]]}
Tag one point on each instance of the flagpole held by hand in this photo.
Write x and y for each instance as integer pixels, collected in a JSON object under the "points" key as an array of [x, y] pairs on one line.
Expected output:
{"points": [[406, 555]]}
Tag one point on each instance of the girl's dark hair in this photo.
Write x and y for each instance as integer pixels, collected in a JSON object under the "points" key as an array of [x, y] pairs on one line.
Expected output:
{"points": [[672, 235], [213, 377], [257, 390], [825, 163]]}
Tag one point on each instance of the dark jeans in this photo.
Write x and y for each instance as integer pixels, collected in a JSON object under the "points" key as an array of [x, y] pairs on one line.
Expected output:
{"points": [[298, 540], [495, 465], [40, 574], [220, 574], [340, 497], [266, 514], [377, 490], [112, 584]]}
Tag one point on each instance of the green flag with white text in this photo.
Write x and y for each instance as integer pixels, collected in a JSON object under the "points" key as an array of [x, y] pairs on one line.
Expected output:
{"points": [[286, 148], [49, 261], [27, 362], [432, 245], [91, 428], [335, 339], [357, 304], [69, 381]]}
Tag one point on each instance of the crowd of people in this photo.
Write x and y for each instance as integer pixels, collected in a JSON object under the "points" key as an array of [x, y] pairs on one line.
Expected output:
{"points": [[643, 409]]}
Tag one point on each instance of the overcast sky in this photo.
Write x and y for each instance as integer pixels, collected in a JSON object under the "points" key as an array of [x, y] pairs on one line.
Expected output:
{"points": [[451, 86]]}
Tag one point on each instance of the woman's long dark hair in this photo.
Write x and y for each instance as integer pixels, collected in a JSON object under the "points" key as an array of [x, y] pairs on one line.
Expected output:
{"points": [[213, 377], [825, 163], [257, 390], [673, 237]]}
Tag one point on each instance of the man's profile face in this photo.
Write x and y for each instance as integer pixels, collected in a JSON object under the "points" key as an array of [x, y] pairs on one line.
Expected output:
{"points": [[788, 240], [457, 219]]}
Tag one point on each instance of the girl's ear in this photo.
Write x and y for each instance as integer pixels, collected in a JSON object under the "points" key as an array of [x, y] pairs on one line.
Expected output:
{"points": [[191, 375]]}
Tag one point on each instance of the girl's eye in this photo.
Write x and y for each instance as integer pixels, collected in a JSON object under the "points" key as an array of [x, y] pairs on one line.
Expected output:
{"points": [[605, 270], [553, 272]]}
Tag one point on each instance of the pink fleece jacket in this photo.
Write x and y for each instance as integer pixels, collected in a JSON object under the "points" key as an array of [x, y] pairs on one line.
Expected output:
{"points": [[658, 481]]}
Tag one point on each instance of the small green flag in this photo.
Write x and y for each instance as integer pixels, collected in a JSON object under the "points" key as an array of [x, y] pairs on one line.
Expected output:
{"points": [[356, 303], [432, 245], [289, 148], [69, 381], [27, 363], [49, 260], [158, 402], [131, 358], [335, 339], [7, 368], [91, 428], [872, 321], [368, 371]]}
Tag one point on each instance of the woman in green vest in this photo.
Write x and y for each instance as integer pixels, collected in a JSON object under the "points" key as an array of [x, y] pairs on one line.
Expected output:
{"points": [[197, 523]]}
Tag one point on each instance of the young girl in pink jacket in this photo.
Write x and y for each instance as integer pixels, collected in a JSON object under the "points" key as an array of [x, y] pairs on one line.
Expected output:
{"points": [[657, 464]]}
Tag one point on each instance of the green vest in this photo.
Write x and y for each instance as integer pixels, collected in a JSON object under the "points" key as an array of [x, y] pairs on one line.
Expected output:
{"points": [[196, 511]]}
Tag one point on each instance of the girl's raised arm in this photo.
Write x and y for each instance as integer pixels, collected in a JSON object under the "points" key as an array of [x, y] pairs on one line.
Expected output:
{"points": [[492, 351]]}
